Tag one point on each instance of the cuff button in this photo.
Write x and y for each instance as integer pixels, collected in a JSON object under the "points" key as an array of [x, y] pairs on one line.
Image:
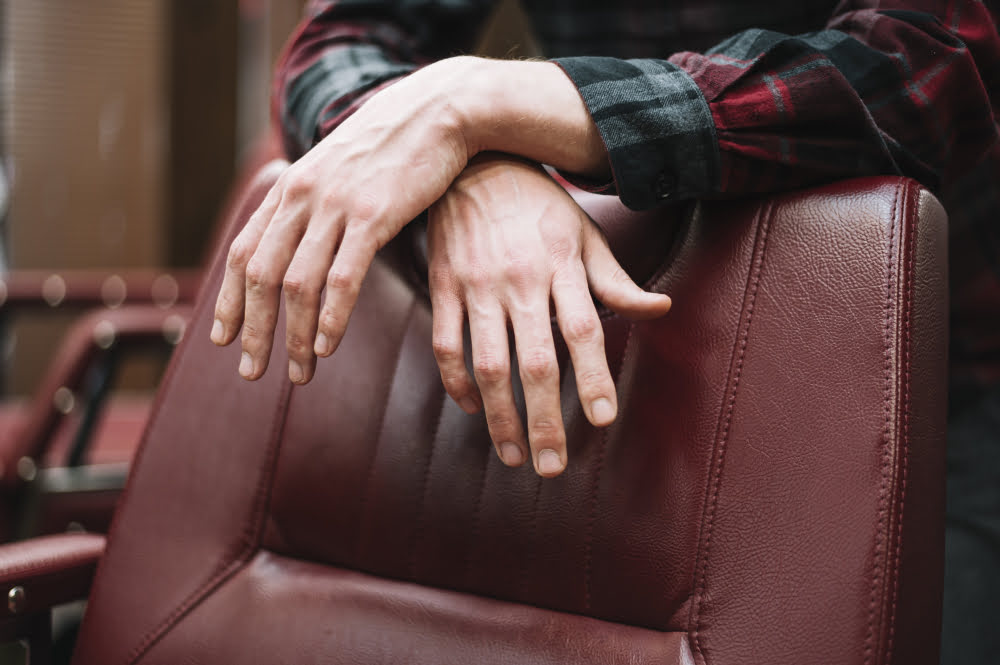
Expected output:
{"points": [[665, 184]]}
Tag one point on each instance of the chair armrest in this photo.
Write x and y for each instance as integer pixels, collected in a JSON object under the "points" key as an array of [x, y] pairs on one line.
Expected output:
{"points": [[90, 335], [48, 571]]}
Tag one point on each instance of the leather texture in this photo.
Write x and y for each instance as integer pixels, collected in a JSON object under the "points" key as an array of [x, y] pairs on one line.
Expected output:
{"points": [[52, 570], [772, 491]]}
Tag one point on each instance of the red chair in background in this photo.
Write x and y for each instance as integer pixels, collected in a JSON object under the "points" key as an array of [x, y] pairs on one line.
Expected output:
{"points": [[772, 491], [64, 453]]}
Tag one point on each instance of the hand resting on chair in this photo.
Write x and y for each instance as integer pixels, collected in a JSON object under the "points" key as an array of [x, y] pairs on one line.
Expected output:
{"points": [[505, 240]]}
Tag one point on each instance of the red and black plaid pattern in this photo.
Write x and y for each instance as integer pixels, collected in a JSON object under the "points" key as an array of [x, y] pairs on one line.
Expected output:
{"points": [[729, 97]]}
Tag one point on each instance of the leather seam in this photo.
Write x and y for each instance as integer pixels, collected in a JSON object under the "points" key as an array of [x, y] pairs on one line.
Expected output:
{"points": [[418, 532], [529, 554], [477, 515], [230, 564], [384, 401], [725, 421], [909, 250], [595, 485], [165, 387], [883, 508]]}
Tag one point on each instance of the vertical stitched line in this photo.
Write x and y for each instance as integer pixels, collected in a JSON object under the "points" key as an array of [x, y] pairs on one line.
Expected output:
{"points": [[595, 485], [363, 506], [532, 542], [886, 435], [418, 532], [908, 295], [477, 513], [722, 436], [235, 562]]}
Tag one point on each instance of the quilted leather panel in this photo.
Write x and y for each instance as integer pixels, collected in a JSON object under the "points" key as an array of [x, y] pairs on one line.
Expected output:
{"points": [[752, 495]]}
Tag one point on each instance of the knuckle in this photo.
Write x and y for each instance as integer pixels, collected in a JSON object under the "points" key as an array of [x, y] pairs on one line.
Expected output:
{"points": [[330, 203], [239, 253], [563, 248], [365, 206], [500, 424], [297, 186], [474, 278], [491, 370], [440, 275], [580, 329], [519, 272], [253, 332], [547, 431], [446, 349], [340, 280], [539, 366], [296, 286], [297, 346], [259, 275], [329, 321], [592, 382]]}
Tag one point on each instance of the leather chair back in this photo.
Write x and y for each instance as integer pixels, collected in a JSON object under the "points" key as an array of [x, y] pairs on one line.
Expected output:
{"points": [[772, 491]]}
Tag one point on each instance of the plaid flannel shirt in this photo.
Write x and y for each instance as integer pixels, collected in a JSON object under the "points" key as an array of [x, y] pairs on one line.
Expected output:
{"points": [[711, 98]]}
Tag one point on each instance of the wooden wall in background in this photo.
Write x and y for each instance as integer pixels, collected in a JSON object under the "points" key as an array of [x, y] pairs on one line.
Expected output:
{"points": [[124, 123], [86, 140], [202, 96]]}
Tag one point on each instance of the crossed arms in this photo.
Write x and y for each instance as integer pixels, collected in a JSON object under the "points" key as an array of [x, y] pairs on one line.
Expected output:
{"points": [[462, 138]]}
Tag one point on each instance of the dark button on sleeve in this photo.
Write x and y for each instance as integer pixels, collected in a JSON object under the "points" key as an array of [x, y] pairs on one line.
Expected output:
{"points": [[656, 125]]}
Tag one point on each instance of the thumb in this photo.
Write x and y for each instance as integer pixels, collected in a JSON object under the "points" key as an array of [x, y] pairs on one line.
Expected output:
{"points": [[612, 285]]}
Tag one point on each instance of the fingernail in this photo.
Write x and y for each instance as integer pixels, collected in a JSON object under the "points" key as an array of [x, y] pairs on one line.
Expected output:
{"points": [[549, 462], [246, 365], [322, 345], [602, 410], [294, 371], [468, 405], [217, 332], [511, 455]]}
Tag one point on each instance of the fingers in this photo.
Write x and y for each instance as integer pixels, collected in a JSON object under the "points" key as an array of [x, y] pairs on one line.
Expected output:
{"points": [[343, 283], [584, 335], [303, 286], [264, 275], [231, 299], [448, 321], [491, 365], [539, 370], [612, 285]]}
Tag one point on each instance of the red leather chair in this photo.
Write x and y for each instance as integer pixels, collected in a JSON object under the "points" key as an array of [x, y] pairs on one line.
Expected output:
{"points": [[771, 492]]}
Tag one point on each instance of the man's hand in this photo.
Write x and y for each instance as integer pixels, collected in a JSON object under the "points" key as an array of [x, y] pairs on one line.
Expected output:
{"points": [[321, 225], [504, 242]]}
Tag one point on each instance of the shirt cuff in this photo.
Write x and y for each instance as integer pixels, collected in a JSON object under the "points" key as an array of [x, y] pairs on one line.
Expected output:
{"points": [[656, 126]]}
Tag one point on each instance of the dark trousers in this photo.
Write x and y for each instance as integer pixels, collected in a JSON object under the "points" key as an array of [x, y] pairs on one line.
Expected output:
{"points": [[971, 628]]}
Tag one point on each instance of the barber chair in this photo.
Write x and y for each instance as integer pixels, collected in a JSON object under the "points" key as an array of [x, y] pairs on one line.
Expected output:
{"points": [[772, 491]]}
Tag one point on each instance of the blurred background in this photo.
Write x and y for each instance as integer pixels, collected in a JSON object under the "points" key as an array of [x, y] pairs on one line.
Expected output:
{"points": [[123, 125]]}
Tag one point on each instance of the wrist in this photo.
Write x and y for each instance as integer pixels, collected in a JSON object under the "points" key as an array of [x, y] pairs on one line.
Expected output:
{"points": [[531, 109]]}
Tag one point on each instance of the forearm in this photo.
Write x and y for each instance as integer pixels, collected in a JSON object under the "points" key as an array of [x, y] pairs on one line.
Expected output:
{"points": [[343, 53], [534, 110]]}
